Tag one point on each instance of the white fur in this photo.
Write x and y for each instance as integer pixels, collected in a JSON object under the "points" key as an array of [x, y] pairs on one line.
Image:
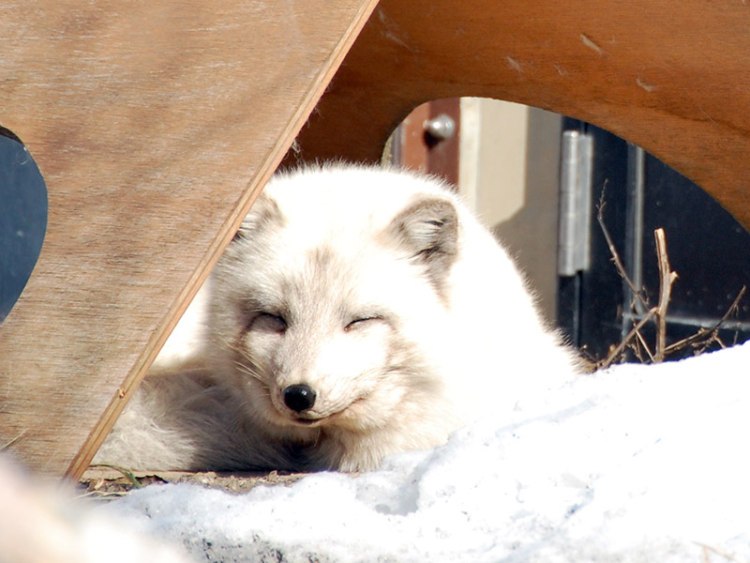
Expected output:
{"points": [[42, 522], [447, 331]]}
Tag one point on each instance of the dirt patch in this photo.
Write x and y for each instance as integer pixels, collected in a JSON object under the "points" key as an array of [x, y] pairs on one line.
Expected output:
{"points": [[106, 481]]}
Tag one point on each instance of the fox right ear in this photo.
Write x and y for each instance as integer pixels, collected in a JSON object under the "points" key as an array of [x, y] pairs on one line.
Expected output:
{"points": [[264, 212], [429, 230]]}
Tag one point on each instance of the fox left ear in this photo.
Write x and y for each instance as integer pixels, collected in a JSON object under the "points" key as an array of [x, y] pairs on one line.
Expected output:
{"points": [[263, 213], [429, 230]]}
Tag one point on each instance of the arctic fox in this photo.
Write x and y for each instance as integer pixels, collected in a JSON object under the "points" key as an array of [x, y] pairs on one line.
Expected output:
{"points": [[359, 312]]}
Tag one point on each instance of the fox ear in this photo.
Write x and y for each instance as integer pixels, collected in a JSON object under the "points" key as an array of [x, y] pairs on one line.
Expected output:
{"points": [[429, 230], [264, 212]]}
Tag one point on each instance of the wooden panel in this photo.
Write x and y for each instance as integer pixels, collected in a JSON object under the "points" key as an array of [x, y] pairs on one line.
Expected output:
{"points": [[415, 148], [673, 77], [410, 150], [154, 124]]}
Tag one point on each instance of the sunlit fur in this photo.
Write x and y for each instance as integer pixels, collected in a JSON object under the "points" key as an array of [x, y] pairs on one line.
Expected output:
{"points": [[377, 289]]}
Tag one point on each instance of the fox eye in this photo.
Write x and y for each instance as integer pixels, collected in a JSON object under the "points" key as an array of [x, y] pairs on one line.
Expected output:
{"points": [[269, 322], [360, 322]]}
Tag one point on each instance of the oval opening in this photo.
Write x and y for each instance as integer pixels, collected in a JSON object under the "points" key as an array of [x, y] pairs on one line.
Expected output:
{"points": [[515, 166]]}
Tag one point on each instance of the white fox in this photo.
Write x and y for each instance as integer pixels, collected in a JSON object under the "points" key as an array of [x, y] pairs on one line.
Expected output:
{"points": [[359, 312]]}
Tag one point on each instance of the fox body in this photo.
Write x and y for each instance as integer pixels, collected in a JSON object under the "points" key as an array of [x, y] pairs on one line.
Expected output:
{"points": [[359, 312]]}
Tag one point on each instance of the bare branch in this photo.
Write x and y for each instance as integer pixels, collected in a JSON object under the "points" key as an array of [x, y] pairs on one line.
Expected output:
{"points": [[634, 340], [645, 346], [666, 279], [617, 350], [706, 336], [637, 292], [691, 340]]}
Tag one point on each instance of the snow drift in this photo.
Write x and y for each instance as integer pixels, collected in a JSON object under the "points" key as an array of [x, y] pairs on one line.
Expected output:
{"points": [[636, 463]]}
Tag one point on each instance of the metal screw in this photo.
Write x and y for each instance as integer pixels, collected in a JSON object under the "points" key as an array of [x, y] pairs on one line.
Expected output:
{"points": [[441, 127]]}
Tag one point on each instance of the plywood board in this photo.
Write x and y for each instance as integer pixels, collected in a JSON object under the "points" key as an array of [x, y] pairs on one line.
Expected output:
{"points": [[154, 124], [672, 77]]}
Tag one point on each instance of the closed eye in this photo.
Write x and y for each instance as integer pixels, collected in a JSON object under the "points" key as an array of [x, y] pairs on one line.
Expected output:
{"points": [[361, 322], [269, 322]]}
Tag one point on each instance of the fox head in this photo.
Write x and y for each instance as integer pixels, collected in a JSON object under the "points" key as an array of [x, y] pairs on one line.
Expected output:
{"points": [[334, 319]]}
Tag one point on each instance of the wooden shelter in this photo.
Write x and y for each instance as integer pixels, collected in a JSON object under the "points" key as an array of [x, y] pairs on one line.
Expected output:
{"points": [[156, 124]]}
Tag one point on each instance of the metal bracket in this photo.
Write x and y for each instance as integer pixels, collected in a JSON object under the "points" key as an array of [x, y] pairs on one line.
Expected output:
{"points": [[575, 203]]}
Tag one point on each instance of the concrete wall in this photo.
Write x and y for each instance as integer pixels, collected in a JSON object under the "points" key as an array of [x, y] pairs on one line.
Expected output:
{"points": [[509, 173]]}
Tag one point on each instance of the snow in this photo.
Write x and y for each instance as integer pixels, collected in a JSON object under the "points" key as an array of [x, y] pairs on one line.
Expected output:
{"points": [[636, 463]]}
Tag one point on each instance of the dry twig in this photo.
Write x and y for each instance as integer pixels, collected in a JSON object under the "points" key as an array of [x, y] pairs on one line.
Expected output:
{"points": [[634, 340], [666, 279], [127, 473], [637, 291], [703, 338], [617, 351], [12, 441]]}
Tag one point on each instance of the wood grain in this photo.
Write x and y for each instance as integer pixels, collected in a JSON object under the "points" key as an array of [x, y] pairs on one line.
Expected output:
{"points": [[673, 77], [154, 124]]}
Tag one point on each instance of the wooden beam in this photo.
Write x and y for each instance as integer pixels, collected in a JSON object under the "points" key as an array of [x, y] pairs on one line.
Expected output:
{"points": [[154, 125], [670, 76]]}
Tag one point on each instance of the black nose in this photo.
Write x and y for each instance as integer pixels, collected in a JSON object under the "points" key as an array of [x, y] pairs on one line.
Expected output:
{"points": [[299, 397]]}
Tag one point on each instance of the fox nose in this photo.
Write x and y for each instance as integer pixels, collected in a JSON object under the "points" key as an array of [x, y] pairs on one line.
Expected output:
{"points": [[299, 397]]}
